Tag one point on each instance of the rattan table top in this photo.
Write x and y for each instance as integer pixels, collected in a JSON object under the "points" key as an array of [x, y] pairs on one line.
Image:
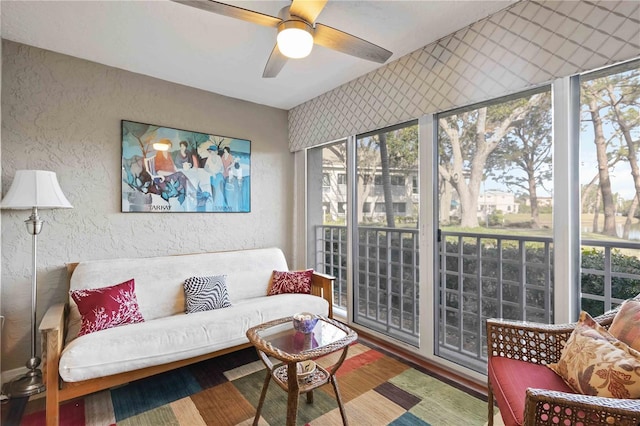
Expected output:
{"points": [[282, 342]]}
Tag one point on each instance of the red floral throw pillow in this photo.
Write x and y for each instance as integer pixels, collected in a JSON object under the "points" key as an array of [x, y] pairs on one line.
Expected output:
{"points": [[291, 282], [107, 307]]}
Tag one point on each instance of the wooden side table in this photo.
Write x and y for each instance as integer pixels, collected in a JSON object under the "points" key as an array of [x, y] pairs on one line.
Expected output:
{"points": [[279, 340]]}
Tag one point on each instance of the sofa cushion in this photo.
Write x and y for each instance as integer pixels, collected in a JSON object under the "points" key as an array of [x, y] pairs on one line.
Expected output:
{"points": [[291, 282], [626, 324], [176, 337], [510, 379], [159, 280], [205, 294], [593, 362], [107, 307]]}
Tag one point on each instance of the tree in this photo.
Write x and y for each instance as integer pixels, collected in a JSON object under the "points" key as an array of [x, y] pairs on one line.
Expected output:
{"points": [[368, 154], [386, 180], [527, 147], [469, 140], [335, 160], [606, 195], [610, 104], [403, 147], [381, 153], [398, 151], [623, 95], [630, 214]]}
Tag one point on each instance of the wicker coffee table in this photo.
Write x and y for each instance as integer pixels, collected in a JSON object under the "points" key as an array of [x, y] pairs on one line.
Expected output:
{"points": [[279, 340]]}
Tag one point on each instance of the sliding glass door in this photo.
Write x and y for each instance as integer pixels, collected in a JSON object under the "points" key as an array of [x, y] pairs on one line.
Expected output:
{"points": [[494, 209], [327, 215], [610, 186], [386, 211], [495, 194]]}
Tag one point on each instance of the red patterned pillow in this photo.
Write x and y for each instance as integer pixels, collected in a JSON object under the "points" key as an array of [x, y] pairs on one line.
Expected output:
{"points": [[107, 307], [291, 282]]}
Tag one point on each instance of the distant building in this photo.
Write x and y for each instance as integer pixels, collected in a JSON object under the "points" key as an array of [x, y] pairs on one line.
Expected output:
{"points": [[404, 191], [542, 201], [492, 201]]}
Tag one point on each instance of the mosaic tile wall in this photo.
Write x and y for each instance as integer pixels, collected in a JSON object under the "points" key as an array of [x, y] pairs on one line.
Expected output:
{"points": [[530, 43]]}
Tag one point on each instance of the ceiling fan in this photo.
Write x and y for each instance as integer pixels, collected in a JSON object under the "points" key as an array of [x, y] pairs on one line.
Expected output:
{"points": [[298, 31]]}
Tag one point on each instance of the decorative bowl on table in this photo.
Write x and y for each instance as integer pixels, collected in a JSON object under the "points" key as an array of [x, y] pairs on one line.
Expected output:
{"points": [[304, 322], [305, 369]]}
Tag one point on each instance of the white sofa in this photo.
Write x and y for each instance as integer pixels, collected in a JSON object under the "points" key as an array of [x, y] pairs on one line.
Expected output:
{"points": [[168, 338]]}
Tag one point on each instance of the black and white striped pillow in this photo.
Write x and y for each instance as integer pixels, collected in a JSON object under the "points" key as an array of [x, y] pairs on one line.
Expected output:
{"points": [[205, 294]]}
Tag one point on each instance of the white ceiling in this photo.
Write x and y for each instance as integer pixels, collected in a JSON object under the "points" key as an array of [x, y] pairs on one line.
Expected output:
{"points": [[223, 55]]}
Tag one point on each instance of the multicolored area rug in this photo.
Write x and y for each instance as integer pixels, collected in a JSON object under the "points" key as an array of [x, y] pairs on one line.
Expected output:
{"points": [[377, 389]]}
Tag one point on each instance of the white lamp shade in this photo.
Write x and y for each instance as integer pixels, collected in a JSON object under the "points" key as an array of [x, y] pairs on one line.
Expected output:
{"points": [[294, 39], [35, 188]]}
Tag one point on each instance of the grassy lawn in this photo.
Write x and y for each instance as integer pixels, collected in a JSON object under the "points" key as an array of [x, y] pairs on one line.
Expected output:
{"points": [[517, 225], [546, 222]]}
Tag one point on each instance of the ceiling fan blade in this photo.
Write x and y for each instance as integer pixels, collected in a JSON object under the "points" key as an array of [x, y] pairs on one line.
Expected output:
{"points": [[232, 11], [346, 43], [274, 64], [307, 9]]}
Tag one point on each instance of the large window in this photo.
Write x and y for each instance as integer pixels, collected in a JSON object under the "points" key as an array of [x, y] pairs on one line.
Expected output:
{"points": [[326, 215], [386, 259], [493, 190], [610, 186], [494, 164]]}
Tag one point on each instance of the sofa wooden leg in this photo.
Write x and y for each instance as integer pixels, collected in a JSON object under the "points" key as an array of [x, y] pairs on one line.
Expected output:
{"points": [[52, 413], [52, 403]]}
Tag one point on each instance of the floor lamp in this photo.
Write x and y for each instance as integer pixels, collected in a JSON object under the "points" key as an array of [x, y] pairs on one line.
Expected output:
{"points": [[32, 190]]}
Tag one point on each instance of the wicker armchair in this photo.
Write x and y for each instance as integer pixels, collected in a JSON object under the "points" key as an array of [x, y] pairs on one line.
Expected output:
{"points": [[541, 344]]}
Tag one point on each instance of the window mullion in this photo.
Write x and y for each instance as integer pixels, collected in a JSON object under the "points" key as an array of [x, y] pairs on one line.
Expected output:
{"points": [[566, 215]]}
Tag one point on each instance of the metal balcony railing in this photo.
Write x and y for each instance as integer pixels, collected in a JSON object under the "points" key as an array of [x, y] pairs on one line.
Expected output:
{"points": [[610, 274], [481, 275], [484, 276]]}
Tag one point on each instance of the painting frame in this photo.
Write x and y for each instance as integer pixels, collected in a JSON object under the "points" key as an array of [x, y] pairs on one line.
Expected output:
{"points": [[172, 170]]}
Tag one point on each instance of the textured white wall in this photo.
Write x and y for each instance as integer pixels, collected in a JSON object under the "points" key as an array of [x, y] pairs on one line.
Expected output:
{"points": [[63, 114]]}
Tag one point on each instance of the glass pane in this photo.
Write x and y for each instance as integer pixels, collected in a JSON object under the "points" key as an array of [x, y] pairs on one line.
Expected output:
{"points": [[387, 207], [495, 190], [610, 186], [326, 215]]}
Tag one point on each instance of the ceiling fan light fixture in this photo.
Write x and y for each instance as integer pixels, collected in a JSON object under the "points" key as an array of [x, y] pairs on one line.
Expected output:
{"points": [[295, 39]]}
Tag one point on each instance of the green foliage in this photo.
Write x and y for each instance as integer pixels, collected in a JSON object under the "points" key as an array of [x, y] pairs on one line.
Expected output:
{"points": [[536, 294], [403, 147], [545, 210], [524, 208], [496, 218], [593, 283]]}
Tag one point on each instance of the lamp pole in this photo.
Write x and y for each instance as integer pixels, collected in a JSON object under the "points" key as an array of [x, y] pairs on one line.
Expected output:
{"points": [[34, 226], [31, 383]]}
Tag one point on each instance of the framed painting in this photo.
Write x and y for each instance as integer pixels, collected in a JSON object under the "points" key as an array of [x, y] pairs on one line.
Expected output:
{"points": [[167, 170]]}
